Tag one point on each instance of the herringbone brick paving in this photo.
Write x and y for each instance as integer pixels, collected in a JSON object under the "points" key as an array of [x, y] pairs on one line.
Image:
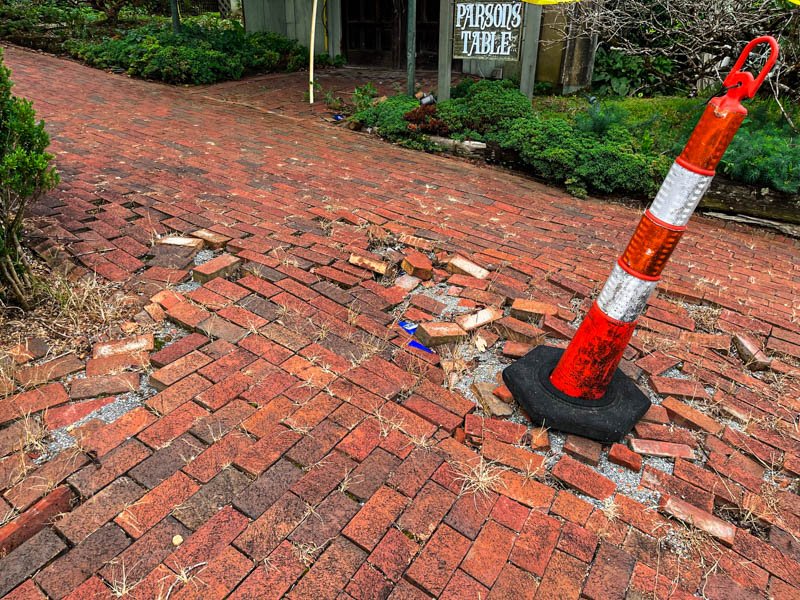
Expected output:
{"points": [[295, 446]]}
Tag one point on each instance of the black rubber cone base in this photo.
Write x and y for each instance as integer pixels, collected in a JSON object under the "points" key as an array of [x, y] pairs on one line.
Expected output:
{"points": [[608, 419]]}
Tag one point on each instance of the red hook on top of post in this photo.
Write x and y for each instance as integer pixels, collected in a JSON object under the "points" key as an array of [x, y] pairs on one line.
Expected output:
{"points": [[742, 84], [581, 390]]}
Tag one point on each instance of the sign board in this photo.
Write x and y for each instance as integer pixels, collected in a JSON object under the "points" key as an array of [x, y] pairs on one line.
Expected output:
{"points": [[487, 30]]}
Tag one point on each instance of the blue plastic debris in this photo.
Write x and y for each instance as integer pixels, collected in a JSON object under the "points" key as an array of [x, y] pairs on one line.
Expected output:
{"points": [[338, 117], [418, 346], [408, 326]]}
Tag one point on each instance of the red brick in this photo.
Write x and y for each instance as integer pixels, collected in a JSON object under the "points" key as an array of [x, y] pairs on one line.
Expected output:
{"points": [[219, 577], [684, 414], [417, 264], [87, 518], [368, 583], [68, 414], [657, 448], [272, 580], [266, 533], [583, 449], [94, 477], [583, 479], [48, 476], [177, 370], [215, 457], [519, 331], [107, 385], [179, 421], [393, 554], [27, 591], [680, 388], [49, 371], [221, 266], [224, 391], [577, 541], [525, 490], [656, 363], [658, 480], [70, 570], [510, 513], [621, 455], [33, 520], [516, 349], [27, 559], [438, 560], [536, 542], [648, 583], [694, 516], [331, 572], [187, 315], [489, 553], [33, 401], [210, 539], [514, 583], [611, 571], [336, 276], [156, 504], [142, 343], [376, 516], [513, 456], [426, 510], [178, 349], [563, 578], [433, 413], [117, 363], [768, 557], [436, 334], [569, 506]]}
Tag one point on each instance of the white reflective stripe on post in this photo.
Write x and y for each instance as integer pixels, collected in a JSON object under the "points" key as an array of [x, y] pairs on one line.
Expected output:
{"points": [[679, 195], [624, 296]]}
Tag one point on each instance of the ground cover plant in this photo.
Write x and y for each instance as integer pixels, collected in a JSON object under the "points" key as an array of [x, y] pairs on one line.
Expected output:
{"points": [[598, 145]]}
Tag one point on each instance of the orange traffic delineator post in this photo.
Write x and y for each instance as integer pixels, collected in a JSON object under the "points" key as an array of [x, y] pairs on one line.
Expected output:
{"points": [[581, 389]]}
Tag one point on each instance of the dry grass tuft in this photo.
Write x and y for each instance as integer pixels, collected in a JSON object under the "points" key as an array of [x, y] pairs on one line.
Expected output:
{"points": [[481, 477]]}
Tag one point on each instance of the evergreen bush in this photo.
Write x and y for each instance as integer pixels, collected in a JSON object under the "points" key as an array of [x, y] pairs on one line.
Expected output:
{"points": [[25, 174]]}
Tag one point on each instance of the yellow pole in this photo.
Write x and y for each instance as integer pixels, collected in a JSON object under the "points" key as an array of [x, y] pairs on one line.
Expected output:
{"points": [[311, 53]]}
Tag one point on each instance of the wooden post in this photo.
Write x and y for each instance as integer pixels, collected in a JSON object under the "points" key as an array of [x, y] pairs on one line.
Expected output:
{"points": [[445, 49], [311, 52], [530, 48], [411, 47]]}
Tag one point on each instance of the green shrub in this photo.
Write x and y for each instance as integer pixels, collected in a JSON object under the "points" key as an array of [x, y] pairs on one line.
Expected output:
{"points": [[764, 157], [25, 174], [389, 118], [618, 74], [558, 150], [207, 49], [484, 107]]}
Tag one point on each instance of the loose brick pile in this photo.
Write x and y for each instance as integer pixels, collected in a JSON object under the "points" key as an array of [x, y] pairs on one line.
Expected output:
{"points": [[296, 445]]}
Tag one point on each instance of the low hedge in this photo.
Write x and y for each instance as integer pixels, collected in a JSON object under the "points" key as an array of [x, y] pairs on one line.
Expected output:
{"points": [[207, 50], [623, 146]]}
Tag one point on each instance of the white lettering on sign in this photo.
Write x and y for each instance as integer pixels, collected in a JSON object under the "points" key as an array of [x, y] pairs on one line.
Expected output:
{"points": [[488, 30]]}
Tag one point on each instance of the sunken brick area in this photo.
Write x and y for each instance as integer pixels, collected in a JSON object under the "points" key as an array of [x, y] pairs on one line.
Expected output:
{"points": [[288, 441]]}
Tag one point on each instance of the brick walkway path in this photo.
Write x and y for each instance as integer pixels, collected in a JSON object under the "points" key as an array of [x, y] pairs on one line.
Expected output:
{"points": [[294, 444]]}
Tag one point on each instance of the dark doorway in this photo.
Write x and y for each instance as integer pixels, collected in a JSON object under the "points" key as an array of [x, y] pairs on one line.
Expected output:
{"points": [[374, 32]]}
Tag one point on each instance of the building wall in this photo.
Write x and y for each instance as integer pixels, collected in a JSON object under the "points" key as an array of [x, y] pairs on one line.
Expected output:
{"points": [[292, 18]]}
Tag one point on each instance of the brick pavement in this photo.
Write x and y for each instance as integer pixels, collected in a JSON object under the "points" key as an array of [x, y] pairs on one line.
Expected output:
{"points": [[292, 443]]}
